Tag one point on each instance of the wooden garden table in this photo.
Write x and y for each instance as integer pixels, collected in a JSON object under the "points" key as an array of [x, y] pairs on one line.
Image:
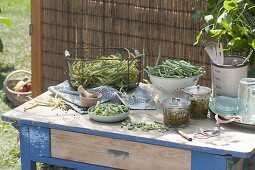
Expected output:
{"points": [[73, 140]]}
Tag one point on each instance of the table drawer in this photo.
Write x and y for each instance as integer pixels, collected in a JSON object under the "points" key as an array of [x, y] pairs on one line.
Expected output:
{"points": [[116, 153]]}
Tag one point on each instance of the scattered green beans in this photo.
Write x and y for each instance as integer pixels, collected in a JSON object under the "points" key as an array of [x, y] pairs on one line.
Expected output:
{"points": [[175, 69], [112, 70], [160, 127], [108, 109]]}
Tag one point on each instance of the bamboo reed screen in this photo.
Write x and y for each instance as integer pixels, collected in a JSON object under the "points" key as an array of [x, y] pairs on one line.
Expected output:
{"points": [[141, 24]]}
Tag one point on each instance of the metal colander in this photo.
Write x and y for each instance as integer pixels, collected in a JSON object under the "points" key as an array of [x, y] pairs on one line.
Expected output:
{"points": [[172, 86]]}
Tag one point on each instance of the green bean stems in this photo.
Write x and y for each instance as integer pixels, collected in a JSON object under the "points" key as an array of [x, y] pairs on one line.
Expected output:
{"points": [[175, 69]]}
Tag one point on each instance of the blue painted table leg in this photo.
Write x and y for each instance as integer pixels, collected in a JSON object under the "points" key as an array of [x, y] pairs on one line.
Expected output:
{"points": [[202, 161], [26, 163]]}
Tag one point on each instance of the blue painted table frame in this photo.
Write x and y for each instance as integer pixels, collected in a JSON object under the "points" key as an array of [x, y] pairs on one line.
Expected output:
{"points": [[35, 144], [33, 151]]}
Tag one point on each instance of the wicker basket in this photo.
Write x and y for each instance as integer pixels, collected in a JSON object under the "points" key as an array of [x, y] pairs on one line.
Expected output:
{"points": [[79, 72], [17, 98]]}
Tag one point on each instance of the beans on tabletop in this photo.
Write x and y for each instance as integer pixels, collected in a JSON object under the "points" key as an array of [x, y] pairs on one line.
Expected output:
{"points": [[160, 127]]}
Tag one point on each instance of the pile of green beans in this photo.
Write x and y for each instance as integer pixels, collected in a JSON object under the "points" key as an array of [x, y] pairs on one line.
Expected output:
{"points": [[175, 69], [113, 70], [109, 109]]}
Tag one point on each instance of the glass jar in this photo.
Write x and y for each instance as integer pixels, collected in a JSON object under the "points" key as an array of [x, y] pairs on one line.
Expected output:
{"points": [[176, 112], [250, 116], [243, 100], [199, 97], [243, 103]]}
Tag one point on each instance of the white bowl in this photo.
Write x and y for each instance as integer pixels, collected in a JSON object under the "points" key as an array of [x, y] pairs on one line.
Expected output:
{"points": [[173, 86]]}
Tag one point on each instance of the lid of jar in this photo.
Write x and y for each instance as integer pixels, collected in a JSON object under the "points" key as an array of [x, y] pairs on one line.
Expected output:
{"points": [[176, 103], [197, 90]]}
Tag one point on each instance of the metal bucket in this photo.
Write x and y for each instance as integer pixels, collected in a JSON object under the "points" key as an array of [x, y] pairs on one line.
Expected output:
{"points": [[226, 78]]}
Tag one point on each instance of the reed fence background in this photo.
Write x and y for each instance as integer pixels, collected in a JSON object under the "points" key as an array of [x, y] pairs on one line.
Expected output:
{"points": [[141, 24]]}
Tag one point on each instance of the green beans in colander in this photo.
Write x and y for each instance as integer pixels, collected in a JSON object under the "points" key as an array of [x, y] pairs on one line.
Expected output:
{"points": [[175, 69]]}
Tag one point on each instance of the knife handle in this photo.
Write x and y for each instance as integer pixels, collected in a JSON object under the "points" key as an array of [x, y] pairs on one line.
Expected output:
{"points": [[184, 135]]}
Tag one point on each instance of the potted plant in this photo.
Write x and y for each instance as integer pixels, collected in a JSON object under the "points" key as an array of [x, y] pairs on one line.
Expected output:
{"points": [[233, 23]]}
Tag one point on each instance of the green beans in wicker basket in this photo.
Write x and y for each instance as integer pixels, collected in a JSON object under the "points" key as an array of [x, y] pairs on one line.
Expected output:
{"points": [[113, 70]]}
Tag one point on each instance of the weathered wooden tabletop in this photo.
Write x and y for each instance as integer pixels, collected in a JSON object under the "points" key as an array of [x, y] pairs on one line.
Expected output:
{"points": [[236, 141]]}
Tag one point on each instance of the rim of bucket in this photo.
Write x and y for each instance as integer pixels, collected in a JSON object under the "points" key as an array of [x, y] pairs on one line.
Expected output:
{"points": [[232, 66]]}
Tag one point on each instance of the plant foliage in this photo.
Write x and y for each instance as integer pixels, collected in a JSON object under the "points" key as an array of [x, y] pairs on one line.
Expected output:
{"points": [[230, 21], [7, 22]]}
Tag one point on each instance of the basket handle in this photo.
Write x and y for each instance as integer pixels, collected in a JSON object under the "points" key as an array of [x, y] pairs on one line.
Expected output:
{"points": [[12, 73], [67, 54]]}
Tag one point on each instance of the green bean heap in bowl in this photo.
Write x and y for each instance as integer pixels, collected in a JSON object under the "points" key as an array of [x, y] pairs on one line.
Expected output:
{"points": [[113, 70], [108, 112], [109, 109], [175, 69], [172, 76]]}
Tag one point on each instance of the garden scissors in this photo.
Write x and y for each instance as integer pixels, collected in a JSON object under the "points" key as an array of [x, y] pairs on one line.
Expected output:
{"points": [[205, 134]]}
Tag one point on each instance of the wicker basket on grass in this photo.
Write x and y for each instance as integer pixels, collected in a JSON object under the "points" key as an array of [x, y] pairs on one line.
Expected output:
{"points": [[17, 98]]}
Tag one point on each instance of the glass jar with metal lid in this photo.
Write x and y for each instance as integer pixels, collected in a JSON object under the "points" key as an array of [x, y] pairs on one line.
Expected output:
{"points": [[176, 112], [199, 97]]}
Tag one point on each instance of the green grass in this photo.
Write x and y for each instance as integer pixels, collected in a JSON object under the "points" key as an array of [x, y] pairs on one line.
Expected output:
{"points": [[16, 55]]}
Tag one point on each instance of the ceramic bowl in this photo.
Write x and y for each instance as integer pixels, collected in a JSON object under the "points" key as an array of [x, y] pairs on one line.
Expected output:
{"points": [[107, 119], [90, 101]]}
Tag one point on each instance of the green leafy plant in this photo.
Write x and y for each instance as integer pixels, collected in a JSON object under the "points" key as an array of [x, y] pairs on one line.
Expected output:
{"points": [[7, 22], [229, 21]]}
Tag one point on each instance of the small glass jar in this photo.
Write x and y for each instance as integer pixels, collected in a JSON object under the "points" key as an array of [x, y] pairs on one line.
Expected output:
{"points": [[176, 112], [199, 97]]}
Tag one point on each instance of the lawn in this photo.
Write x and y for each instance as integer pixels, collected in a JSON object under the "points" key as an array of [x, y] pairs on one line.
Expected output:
{"points": [[16, 55]]}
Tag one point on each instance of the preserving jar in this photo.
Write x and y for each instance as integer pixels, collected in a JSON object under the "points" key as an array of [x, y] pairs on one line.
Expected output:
{"points": [[176, 112], [199, 97]]}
